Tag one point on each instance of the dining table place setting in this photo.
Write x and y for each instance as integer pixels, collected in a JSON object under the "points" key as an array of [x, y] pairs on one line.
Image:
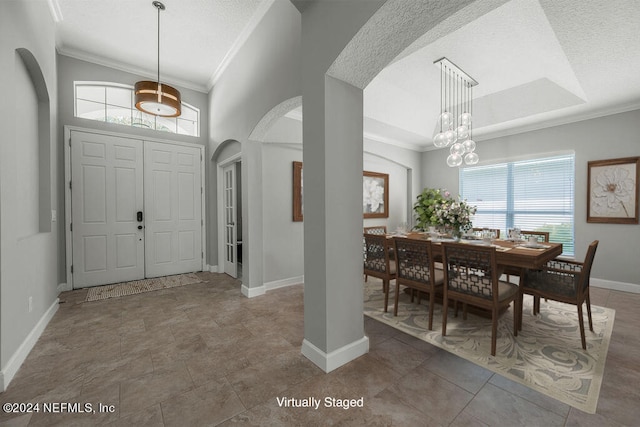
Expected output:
{"points": [[515, 250], [534, 246]]}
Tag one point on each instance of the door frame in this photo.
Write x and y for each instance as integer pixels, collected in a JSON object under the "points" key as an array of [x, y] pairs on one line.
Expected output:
{"points": [[67, 190], [236, 158]]}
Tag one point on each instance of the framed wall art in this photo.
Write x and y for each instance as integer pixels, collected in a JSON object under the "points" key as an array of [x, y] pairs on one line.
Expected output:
{"points": [[375, 194], [297, 191], [612, 190]]}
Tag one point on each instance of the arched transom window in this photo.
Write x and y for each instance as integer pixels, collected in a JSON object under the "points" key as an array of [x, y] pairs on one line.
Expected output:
{"points": [[113, 103]]}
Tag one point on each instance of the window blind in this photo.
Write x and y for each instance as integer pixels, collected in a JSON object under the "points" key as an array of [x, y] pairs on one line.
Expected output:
{"points": [[534, 195]]}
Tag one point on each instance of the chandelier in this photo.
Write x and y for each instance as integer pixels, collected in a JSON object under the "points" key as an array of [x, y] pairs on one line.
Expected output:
{"points": [[154, 97], [454, 122]]}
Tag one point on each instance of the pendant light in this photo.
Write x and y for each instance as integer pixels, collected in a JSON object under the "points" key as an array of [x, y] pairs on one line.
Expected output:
{"points": [[454, 122], [154, 97]]}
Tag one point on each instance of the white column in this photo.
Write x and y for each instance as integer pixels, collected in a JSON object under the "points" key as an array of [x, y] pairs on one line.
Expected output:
{"points": [[332, 156], [252, 245]]}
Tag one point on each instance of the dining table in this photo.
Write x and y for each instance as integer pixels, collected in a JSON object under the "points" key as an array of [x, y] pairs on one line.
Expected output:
{"points": [[509, 253]]}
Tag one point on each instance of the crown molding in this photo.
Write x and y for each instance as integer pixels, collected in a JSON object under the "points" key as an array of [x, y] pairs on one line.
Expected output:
{"points": [[488, 135], [395, 142], [257, 16], [94, 59], [264, 6], [579, 117], [54, 9]]}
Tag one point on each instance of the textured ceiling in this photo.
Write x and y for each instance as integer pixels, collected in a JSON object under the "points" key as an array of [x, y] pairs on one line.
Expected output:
{"points": [[537, 63], [196, 35]]}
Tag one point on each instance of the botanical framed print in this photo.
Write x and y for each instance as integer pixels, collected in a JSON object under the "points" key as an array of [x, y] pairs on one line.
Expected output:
{"points": [[375, 195], [612, 190], [297, 191]]}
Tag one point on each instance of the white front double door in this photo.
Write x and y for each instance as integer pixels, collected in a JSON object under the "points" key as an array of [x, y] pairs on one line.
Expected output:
{"points": [[136, 209]]}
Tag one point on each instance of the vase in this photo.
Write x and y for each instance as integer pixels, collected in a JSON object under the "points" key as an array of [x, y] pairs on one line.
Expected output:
{"points": [[456, 233]]}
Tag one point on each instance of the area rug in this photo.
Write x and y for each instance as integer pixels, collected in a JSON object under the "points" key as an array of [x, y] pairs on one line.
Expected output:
{"points": [[140, 286], [546, 356]]}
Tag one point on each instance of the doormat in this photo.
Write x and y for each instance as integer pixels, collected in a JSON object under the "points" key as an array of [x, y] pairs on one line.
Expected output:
{"points": [[546, 356], [139, 286]]}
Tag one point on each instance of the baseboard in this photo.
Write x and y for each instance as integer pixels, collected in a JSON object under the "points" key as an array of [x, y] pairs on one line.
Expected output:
{"points": [[616, 286], [211, 268], [253, 292], [284, 283], [64, 287], [335, 359], [10, 370]]}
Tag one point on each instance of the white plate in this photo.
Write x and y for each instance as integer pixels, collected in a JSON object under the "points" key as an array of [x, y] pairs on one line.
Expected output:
{"points": [[479, 242], [534, 246]]}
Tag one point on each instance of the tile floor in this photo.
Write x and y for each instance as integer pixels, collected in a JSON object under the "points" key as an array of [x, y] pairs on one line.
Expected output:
{"points": [[204, 354]]}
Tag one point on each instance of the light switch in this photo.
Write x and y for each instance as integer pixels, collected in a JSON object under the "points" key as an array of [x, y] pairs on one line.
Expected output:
{"points": [[54, 215]]}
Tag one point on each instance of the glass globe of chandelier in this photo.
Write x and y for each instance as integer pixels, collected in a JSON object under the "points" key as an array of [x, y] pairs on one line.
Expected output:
{"points": [[455, 121]]}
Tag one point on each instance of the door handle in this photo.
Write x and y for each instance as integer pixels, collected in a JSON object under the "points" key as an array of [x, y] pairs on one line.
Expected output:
{"points": [[139, 216], [232, 223]]}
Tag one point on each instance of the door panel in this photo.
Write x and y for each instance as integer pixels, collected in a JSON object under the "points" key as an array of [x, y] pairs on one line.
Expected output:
{"points": [[114, 178], [173, 226], [106, 177], [230, 234]]}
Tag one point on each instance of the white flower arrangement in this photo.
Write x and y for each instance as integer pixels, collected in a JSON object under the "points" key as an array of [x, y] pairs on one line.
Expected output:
{"points": [[455, 214]]}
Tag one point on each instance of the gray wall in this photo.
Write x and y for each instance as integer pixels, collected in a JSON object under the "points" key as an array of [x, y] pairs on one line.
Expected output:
{"points": [[397, 191], [263, 73], [607, 137], [70, 70], [28, 266], [404, 167], [283, 238], [283, 249]]}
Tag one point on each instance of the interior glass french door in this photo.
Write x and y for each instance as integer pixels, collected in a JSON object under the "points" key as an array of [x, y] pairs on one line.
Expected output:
{"points": [[230, 228]]}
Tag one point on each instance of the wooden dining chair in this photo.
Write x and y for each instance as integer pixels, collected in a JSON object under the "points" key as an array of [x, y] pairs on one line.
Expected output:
{"points": [[565, 281], [378, 229], [415, 270], [377, 262], [541, 237], [471, 277], [495, 230]]}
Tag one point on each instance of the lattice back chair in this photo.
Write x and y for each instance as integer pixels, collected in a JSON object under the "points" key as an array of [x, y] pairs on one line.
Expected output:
{"points": [[471, 277], [541, 237], [495, 230], [377, 262], [415, 269], [378, 229], [565, 281]]}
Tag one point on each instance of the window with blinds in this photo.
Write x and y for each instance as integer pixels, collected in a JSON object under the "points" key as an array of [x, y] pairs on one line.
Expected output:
{"points": [[534, 195]]}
